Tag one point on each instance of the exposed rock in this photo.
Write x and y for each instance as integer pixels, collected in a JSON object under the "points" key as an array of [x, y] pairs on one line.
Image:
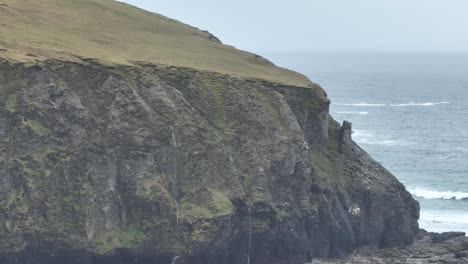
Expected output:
{"points": [[427, 248], [155, 164]]}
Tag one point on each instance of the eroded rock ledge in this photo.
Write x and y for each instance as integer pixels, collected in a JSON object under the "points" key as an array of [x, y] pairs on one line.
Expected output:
{"points": [[155, 164], [451, 247]]}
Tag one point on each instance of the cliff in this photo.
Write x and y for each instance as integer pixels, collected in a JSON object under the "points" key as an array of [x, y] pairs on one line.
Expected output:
{"points": [[192, 152]]}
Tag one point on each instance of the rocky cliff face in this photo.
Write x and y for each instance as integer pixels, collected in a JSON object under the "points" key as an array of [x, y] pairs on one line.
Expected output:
{"points": [[160, 164]]}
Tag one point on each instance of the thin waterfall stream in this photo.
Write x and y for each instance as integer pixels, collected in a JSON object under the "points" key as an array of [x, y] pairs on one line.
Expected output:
{"points": [[174, 173]]}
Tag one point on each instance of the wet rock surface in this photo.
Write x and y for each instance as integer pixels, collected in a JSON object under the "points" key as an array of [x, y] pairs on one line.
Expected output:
{"points": [[158, 164]]}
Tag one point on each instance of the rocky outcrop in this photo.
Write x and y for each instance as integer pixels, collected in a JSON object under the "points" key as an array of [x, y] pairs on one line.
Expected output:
{"points": [[160, 164], [451, 247]]}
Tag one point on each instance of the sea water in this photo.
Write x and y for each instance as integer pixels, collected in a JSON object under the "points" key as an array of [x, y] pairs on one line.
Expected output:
{"points": [[410, 112]]}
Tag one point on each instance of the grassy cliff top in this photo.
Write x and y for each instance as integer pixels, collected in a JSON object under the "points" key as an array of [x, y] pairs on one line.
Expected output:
{"points": [[117, 33]]}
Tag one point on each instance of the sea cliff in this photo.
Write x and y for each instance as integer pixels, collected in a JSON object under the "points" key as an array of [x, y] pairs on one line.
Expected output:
{"points": [[124, 160]]}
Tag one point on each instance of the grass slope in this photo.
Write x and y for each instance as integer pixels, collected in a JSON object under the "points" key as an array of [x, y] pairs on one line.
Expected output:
{"points": [[117, 33]]}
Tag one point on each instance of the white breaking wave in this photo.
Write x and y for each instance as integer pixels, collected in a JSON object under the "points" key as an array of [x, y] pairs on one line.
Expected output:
{"points": [[385, 142], [360, 134], [430, 195], [366, 137], [420, 104], [353, 113], [395, 105], [360, 104]]}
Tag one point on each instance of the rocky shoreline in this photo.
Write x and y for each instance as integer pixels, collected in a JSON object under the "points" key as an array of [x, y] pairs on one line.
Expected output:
{"points": [[428, 247]]}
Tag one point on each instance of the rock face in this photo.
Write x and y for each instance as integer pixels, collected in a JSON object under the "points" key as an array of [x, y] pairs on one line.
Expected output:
{"points": [[129, 137], [427, 248], [160, 164]]}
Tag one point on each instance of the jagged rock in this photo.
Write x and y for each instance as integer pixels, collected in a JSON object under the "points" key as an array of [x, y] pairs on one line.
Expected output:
{"points": [[427, 248], [161, 162], [437, 238]]}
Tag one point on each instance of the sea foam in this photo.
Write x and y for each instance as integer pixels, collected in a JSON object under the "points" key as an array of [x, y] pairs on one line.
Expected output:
{"points": [[420, 104], [369, 138], [444, 221], [353, 113], [444, 195], [394, 105], [360, 104]]}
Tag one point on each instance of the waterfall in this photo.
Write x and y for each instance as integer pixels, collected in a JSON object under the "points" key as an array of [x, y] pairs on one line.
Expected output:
{"points": [[249, 244], [174, 173], [175, 259], [174, 141]]}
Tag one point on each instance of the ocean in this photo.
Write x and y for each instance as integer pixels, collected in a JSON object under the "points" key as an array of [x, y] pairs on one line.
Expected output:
{"points": [[410, 112]]}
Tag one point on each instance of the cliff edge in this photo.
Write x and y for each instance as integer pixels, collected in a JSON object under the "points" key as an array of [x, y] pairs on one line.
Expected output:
{"points": [[107, 156]]}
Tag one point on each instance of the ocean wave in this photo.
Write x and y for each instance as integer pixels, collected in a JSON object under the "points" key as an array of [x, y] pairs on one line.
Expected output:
{"points": [[360, 104], [381, 142], [394, 105], [443, 217], [353, 113], [444, 220], [420, 104], [431, 195], [362, 134], [366, 137], [450, 156]]}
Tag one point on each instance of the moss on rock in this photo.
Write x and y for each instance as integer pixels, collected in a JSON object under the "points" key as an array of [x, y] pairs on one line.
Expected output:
{"points": [[119, 238], [206, 203], [37, 128]]}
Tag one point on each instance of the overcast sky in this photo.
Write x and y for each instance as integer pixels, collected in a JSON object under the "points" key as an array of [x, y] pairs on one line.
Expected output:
{"points": [[327, 25]]}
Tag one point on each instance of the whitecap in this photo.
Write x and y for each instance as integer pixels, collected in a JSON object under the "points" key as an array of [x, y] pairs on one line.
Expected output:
{"points": [[353, 113], [420, 104], [382, 142], [362, 134], [443, 195], [388, 142], [367, 137], [360, 104], [450, 156]]}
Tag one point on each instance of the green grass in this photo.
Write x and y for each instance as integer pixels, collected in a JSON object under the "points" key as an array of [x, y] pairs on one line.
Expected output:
{"points": [[116, 33]]}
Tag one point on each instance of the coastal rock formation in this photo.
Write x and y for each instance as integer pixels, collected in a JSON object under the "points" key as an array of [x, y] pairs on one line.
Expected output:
{"points": [[144, 162], [451, 247], [174, 162]]}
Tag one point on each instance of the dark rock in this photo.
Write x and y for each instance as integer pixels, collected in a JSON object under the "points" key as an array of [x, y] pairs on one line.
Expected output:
{"points": [[148, 164], [453, 249], [437, 238], [461, 254]]}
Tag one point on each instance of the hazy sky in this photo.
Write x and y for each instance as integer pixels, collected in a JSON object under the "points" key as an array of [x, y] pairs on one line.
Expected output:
{"points": [[325, 25]]}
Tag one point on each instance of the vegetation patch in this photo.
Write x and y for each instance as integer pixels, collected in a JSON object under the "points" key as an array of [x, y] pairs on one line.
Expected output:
{"points": [[37, 128], [119, 238], [206, 203], [272, 105], [328, 163], [11, 103]]}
